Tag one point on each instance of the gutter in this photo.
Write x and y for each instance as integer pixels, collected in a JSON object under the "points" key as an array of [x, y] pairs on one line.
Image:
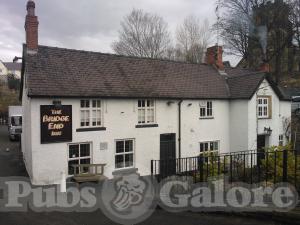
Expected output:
{"points": [[179, 128]]}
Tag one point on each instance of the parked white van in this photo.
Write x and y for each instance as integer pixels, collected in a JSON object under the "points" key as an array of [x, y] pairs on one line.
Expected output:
{"points": [[14, 122]]}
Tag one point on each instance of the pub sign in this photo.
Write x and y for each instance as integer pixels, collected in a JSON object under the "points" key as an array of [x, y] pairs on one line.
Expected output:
{"points": [[56, 123]]}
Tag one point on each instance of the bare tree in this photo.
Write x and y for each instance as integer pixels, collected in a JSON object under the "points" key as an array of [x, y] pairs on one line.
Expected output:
{"points": [[192, 40], [295, 19], [143, 34], [236, 24]]}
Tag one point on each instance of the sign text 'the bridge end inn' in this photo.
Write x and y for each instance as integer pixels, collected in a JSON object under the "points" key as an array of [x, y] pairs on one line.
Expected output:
{"points": [[56, 123]]}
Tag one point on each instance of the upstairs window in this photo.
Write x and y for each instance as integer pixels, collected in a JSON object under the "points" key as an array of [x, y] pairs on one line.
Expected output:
{"points": [[206, 109], [146, 111], [90, 113], [264, 107]]}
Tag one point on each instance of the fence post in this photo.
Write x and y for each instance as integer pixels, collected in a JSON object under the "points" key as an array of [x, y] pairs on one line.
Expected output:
{"points": [[152, 167], [200, 167], [231, 168], [284, 165]]}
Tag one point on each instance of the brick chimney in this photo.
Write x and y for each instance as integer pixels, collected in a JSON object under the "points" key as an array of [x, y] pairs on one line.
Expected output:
{"points": [[264, 67], [214, 56], [31, 28]]}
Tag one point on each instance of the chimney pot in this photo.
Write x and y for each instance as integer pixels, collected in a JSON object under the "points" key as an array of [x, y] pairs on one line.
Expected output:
{"points": [[30, 7], [214, 56], [31, 28]]}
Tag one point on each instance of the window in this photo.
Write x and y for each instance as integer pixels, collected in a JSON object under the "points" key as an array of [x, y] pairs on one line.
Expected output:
{"points": [[263, 107], [90, 113], [79, 154], [281, 140], [206, 110], [209, 148], [146, 111], [124, 154], [16, 120]]}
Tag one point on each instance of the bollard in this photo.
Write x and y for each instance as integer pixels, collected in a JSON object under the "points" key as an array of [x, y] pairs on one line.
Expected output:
{"points": [[63, 183]]}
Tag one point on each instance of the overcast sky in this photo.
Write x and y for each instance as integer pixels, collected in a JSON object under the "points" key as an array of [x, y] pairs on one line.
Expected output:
{"points": [[88, 24]]}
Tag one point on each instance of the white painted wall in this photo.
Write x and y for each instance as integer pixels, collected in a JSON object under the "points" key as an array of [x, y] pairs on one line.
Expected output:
{"points": [[234, 125], [195, 130], [26, 137], [120, 118], [16, 73], [281, 110], [238, 119]]}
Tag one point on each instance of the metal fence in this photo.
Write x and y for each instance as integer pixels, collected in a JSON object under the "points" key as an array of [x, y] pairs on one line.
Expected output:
{"points": [[249, 167], [3, 121]]}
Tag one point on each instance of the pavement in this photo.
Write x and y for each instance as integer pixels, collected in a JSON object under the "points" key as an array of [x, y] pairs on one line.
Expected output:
{"points": [[11, 165]]}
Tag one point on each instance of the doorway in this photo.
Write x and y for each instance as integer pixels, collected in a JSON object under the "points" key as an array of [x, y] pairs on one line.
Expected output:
{"points": [[167, 154], [261, 144]]}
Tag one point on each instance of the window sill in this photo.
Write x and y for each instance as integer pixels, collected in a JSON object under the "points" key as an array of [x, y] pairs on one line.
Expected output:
{"points": [[146, 125], [264, 118], [206, 118], [90, 129]]}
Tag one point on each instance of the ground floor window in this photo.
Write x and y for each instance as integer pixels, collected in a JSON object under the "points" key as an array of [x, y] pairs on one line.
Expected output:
{"points": [[281, 140], [209, 149], [124, 153], [79, 154]]}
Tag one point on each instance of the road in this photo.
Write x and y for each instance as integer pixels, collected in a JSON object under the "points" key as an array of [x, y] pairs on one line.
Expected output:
{"points": [[11, 165]]}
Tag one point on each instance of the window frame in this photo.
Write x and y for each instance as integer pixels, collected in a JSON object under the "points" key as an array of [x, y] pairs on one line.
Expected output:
{"points": [[261, 107], [209, 150], [281, 140], [125, 153], [146, 108], [206, 109], [90, 110], [79, 152]]}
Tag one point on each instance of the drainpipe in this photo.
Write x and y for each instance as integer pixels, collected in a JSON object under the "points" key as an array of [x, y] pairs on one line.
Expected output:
{"points": [[179, 128]]}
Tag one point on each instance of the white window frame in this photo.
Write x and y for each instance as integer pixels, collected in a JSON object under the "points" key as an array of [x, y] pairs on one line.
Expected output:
{"points": [[89, 117], [207, 108], [79, 157], [281, 140], [146, 108], [209, 150], [263, 105], [125, 153]]}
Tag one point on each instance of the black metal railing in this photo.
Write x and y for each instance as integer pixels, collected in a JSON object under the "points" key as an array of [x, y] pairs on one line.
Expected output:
{"points": [[248, 166], [3, 121]]}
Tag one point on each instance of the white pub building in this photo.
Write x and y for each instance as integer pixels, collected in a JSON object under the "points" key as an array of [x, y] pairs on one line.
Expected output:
{"points": [[85, 107]]}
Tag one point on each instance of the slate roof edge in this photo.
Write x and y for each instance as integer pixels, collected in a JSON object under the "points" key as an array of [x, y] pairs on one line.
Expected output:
{"points": [[135, 97]]}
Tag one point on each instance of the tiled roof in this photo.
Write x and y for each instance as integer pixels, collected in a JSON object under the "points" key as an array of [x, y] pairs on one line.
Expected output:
{"points": [[59, 72], [13, 66], [244, 86]]}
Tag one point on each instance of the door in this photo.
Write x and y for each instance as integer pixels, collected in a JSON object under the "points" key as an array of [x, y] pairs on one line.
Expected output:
{"points": [[261, 144], [167, 155]]}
